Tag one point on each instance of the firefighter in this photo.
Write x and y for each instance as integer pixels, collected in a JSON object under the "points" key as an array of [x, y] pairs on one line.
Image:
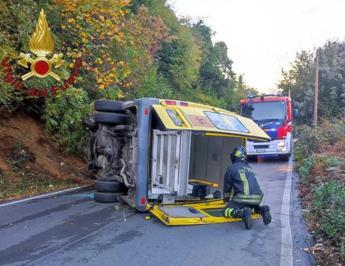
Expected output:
{"points": [[240, 182]]}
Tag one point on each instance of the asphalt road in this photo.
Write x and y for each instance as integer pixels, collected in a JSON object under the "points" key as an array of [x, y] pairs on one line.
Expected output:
{"points": [[72, 229]]}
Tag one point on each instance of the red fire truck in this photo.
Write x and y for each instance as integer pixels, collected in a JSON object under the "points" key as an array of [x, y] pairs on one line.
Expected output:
{"points": [[274, 114]]}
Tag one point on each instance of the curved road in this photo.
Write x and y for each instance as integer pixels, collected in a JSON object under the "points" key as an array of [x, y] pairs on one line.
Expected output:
{"points": [[71, 229]]}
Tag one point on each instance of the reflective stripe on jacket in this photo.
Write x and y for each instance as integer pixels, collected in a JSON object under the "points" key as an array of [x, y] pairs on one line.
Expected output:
{"points": [[241, 178]]}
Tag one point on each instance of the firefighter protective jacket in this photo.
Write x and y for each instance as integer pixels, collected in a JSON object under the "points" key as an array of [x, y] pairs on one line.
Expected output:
{"points": [[240, 180]]}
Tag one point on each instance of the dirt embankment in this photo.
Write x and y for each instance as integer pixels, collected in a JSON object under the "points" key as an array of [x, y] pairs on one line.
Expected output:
{"points": [[31, 163]]}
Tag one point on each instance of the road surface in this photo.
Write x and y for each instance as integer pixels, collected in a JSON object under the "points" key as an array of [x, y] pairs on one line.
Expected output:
{"points": [[71, 229]]}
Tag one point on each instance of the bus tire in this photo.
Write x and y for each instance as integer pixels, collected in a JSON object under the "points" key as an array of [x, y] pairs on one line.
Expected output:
{"points": [[106, 197], [109, 185], [108, 106], [110, 118]]}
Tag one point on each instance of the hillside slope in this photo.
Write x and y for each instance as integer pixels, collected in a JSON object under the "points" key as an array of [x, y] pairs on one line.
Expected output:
{"points": [[30, 162]]}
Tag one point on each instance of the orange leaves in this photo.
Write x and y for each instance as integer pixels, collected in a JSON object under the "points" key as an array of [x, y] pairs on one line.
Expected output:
{"points": [[68, 5], [124, 3], [96, 26], [117, 49], [87, 18]]}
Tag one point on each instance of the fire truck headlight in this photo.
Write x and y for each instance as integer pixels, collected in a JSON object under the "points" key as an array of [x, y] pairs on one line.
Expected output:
{"points": [[281, 146]]}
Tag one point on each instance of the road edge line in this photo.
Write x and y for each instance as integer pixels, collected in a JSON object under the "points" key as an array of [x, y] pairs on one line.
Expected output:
{"points": [[286, 256], [47, 195]]}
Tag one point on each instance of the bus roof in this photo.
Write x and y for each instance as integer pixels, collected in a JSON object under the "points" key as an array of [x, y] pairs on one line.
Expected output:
{"points": [[183, 115]]}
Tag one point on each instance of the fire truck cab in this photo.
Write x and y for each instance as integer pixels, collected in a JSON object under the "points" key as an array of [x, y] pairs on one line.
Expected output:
{"points": [[274, 114]]}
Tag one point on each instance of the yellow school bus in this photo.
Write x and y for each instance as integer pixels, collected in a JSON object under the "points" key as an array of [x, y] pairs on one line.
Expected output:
{"points": [[166, 156]]}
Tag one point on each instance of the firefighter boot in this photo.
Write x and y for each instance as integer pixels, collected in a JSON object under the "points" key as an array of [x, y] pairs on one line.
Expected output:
{"points": [[266, 215], [247, 218]]}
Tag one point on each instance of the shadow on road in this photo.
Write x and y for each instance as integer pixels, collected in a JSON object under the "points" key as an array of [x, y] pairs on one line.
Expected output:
{"points": [[266, 159]]}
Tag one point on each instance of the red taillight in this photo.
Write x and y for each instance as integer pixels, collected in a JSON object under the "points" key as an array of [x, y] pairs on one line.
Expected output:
{"points": [[146, 111], [169, 102], [143, 201], [282, 132]]}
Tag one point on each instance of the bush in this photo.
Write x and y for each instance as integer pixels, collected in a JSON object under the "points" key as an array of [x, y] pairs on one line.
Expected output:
{"points": [[19, 156], [64, 114], [329, 161], [305, 168], [9, 98], [311, 139], [329, 207], [332, 132]]}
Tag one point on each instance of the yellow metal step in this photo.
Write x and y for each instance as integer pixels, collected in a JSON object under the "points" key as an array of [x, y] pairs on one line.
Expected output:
{"points": [[193, 213]]}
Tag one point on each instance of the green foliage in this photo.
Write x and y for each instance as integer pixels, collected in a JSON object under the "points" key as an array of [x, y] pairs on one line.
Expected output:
{"points": [[332, 131], [305, 168], [130, 49], [321, 162], [310, 138], [19, 156], [323, 189], [329, 161], [180, 60], [329, 206], [64, 114], [155, 84], [299, 79], [216, 68], [9, 98], [309, 141], [112, 93]]}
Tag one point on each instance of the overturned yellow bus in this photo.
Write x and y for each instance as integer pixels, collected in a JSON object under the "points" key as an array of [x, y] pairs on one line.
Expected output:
{"points": [[166, 156]]}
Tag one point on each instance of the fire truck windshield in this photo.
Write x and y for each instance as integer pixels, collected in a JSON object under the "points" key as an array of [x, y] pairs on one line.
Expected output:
{"points": [[265, 111]]}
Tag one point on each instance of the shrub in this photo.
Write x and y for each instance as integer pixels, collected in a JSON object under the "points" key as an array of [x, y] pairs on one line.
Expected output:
{"points": [[309, 141], [329, 161], [64, 114], [19, 155], [305, 168], [332, 131], [329, 207]]}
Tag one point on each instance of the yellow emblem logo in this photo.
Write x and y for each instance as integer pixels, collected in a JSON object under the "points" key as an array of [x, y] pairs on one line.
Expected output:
{"points": [[41, 44]]}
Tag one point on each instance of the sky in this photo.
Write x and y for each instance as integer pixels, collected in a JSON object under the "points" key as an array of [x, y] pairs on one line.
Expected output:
{"points": [[263, 36]]}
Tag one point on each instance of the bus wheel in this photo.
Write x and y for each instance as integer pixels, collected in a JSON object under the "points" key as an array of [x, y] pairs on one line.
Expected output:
{"points": [[108, 106], [106, 197], [109, 185], [110, 118]]}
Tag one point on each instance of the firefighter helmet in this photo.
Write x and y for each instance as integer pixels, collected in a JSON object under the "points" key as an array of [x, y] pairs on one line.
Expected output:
{"points": [[239, 153]]}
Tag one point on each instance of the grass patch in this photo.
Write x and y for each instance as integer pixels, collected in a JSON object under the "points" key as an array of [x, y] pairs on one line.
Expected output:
{"points": [[29, 183]]}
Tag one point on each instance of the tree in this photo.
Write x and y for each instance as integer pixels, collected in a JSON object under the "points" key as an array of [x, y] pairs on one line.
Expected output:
{"points": [[299, 79], [216, 67]]}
